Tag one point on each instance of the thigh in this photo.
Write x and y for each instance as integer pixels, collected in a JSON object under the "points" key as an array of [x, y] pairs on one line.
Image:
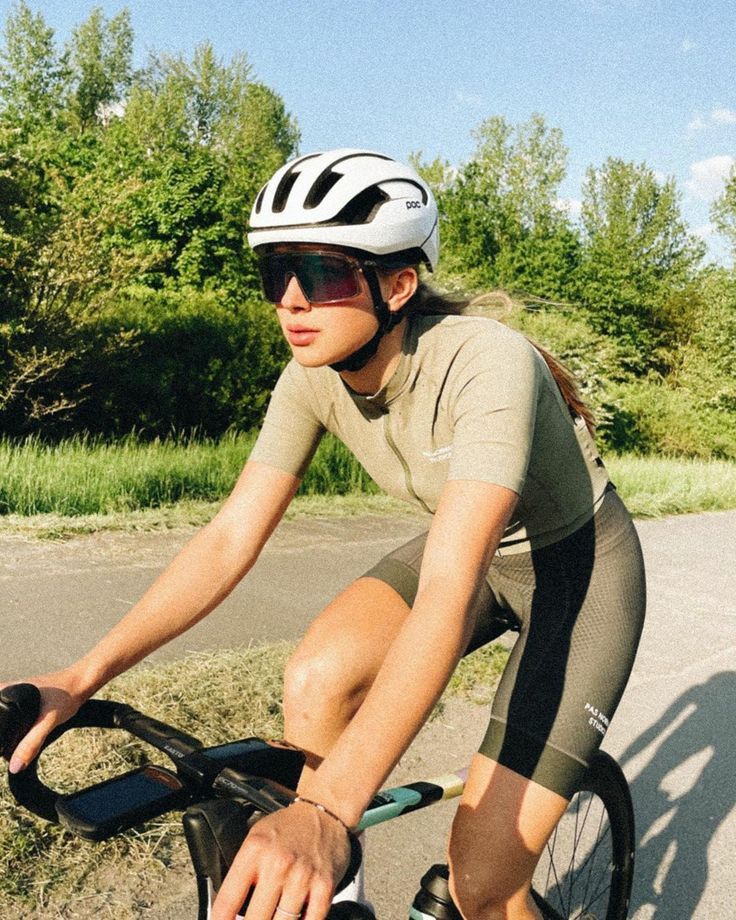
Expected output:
{"points": [[400, 569]]}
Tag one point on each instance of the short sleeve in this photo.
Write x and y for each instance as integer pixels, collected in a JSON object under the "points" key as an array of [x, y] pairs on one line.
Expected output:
{"points": [[291, 430], [494, 412]]}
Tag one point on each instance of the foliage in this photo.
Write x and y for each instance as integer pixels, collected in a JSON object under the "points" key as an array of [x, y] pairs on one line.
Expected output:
{"points": [[33, 74], [657, 418], [122, 218], [594, 359], [196, 360], [724, 212], [100, 56], [638, 265], [130, 297], [501, 224]]}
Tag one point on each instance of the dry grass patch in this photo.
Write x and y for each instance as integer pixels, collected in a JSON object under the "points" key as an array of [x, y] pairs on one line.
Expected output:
{"points": [[46, 872]]}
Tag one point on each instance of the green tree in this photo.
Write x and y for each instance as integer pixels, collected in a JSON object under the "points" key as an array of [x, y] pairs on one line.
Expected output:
{"points": [[501, 222], [639, 266], [724, 212], [33, 75], [100, 56], [125, 216]]}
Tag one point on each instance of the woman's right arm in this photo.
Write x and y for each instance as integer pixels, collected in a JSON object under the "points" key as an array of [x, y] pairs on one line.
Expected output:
{"points": [[197, 580]]}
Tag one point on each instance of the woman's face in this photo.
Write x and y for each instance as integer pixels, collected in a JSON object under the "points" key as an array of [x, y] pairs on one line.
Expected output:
{"points": [[325, 334]]}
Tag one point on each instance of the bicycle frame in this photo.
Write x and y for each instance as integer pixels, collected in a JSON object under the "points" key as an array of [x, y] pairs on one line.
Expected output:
{"points": [[400, 800], [213, 843]]}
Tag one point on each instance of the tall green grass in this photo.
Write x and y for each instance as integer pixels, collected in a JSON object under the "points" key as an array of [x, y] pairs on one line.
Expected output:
{"points": [[83, 476], [86, 476], [90, 476], [655, 486]]}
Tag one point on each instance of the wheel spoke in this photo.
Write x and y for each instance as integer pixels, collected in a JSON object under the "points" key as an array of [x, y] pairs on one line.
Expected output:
{"points": [[550, 848], [587, 875], [590, 859]]}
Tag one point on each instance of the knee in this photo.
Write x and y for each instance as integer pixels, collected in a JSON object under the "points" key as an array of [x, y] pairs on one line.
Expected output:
{"points": [[485, 898], [315, 679]]}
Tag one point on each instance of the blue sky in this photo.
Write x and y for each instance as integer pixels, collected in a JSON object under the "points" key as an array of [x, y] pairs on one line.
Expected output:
{"points": [[646, 80]]}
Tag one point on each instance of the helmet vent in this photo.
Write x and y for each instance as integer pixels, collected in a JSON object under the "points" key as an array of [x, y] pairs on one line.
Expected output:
{"points": [[281, 195], [422, 191], [362, 209], [282, 192], [259, 199], [318, 192]]}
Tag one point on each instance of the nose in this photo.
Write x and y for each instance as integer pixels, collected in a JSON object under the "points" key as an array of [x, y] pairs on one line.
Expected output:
{"points": [[294, 298]]}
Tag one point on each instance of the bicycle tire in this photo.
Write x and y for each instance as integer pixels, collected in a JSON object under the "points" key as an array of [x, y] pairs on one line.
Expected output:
{"points": [[587, 870]]}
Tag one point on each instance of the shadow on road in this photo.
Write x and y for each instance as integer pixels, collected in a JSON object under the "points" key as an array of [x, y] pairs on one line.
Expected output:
{"points": [[681, 796]]}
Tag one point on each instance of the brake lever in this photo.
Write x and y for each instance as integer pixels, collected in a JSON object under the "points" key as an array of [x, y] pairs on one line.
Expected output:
{"points": [[267, 796]]}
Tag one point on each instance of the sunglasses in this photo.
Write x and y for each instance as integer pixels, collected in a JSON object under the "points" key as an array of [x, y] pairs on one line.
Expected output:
{"points": [[324, 277]]}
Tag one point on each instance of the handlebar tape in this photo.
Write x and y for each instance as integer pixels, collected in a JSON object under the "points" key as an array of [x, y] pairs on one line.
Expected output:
{"points": [[28, 789], [19, 708]]}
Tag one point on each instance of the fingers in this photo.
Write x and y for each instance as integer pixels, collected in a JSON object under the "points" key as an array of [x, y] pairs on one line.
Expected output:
{"points": [[58, 703], [30, 746], [282, 886], [320, 899]]}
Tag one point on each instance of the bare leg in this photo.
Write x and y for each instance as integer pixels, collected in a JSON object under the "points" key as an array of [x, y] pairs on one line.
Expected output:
{"points": [[335, 664], [498, 835], [503, 821]]}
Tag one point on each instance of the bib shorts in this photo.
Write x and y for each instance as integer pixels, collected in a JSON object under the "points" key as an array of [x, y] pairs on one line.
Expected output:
{"points": [[578, 607]]}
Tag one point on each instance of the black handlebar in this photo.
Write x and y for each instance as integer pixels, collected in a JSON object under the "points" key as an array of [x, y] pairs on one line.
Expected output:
{"points": [[262, 774], [281, 763], [19, 708]]}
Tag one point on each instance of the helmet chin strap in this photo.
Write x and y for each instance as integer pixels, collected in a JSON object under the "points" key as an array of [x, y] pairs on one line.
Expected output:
{"points": [[386, 322]]}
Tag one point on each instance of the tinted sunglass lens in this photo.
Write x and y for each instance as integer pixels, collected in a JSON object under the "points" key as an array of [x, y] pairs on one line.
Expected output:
{"points": [[273, 278], [322, 278], [327, 278]]}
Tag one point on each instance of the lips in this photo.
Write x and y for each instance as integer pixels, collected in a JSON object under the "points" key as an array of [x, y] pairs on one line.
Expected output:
{"points": [[301, 335]]}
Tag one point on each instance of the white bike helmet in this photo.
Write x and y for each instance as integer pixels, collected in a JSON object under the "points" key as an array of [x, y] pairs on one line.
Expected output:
{"points": [[354, 198]]}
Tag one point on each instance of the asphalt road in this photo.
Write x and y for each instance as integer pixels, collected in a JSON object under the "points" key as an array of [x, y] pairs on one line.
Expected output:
{"points": [[674, 732]]}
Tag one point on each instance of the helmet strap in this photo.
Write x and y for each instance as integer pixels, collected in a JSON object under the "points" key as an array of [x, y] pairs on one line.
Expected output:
{"points": [[386, 322]]}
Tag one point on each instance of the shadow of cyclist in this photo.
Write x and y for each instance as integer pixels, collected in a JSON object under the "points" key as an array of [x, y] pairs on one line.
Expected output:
{"points": [[681, 797]]}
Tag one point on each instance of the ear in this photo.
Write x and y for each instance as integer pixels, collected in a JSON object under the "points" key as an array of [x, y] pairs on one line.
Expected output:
{"points": [[399, 286]]}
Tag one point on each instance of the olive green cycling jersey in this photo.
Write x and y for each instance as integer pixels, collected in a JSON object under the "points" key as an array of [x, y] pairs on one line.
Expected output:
{"points": [[470, 399]]}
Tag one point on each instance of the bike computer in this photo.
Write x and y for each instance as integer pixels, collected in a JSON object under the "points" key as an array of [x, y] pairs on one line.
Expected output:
{"points": [[122, 802]]}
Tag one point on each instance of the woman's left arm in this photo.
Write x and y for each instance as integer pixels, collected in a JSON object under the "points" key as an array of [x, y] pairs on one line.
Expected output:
{"points": [[296, 855]]}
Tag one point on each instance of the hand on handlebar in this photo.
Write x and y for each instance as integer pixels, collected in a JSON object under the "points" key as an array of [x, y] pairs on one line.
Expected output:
{"points": [[296, 855], [60, 700]]}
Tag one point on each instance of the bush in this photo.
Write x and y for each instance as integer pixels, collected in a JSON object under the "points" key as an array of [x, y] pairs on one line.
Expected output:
{"points": [[595, 360], [654, 418], [199, 362]]}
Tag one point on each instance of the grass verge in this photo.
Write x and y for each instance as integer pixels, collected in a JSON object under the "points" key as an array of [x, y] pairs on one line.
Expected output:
{"points": [[45, 872], [84, 486], [657, 486]]}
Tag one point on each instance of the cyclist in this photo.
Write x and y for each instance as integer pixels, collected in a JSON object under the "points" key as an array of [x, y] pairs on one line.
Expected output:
{"points": [[486, 432]]}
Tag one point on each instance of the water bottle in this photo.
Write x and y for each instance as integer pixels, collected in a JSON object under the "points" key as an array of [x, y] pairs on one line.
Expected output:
{"points": [[433, 901]]}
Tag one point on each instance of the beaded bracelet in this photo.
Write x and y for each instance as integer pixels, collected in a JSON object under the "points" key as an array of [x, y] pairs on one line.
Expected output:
{"points": [[323, 808]]}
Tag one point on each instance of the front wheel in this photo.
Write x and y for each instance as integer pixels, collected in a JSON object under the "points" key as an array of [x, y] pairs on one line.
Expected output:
{"points": [[587, 869]]}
